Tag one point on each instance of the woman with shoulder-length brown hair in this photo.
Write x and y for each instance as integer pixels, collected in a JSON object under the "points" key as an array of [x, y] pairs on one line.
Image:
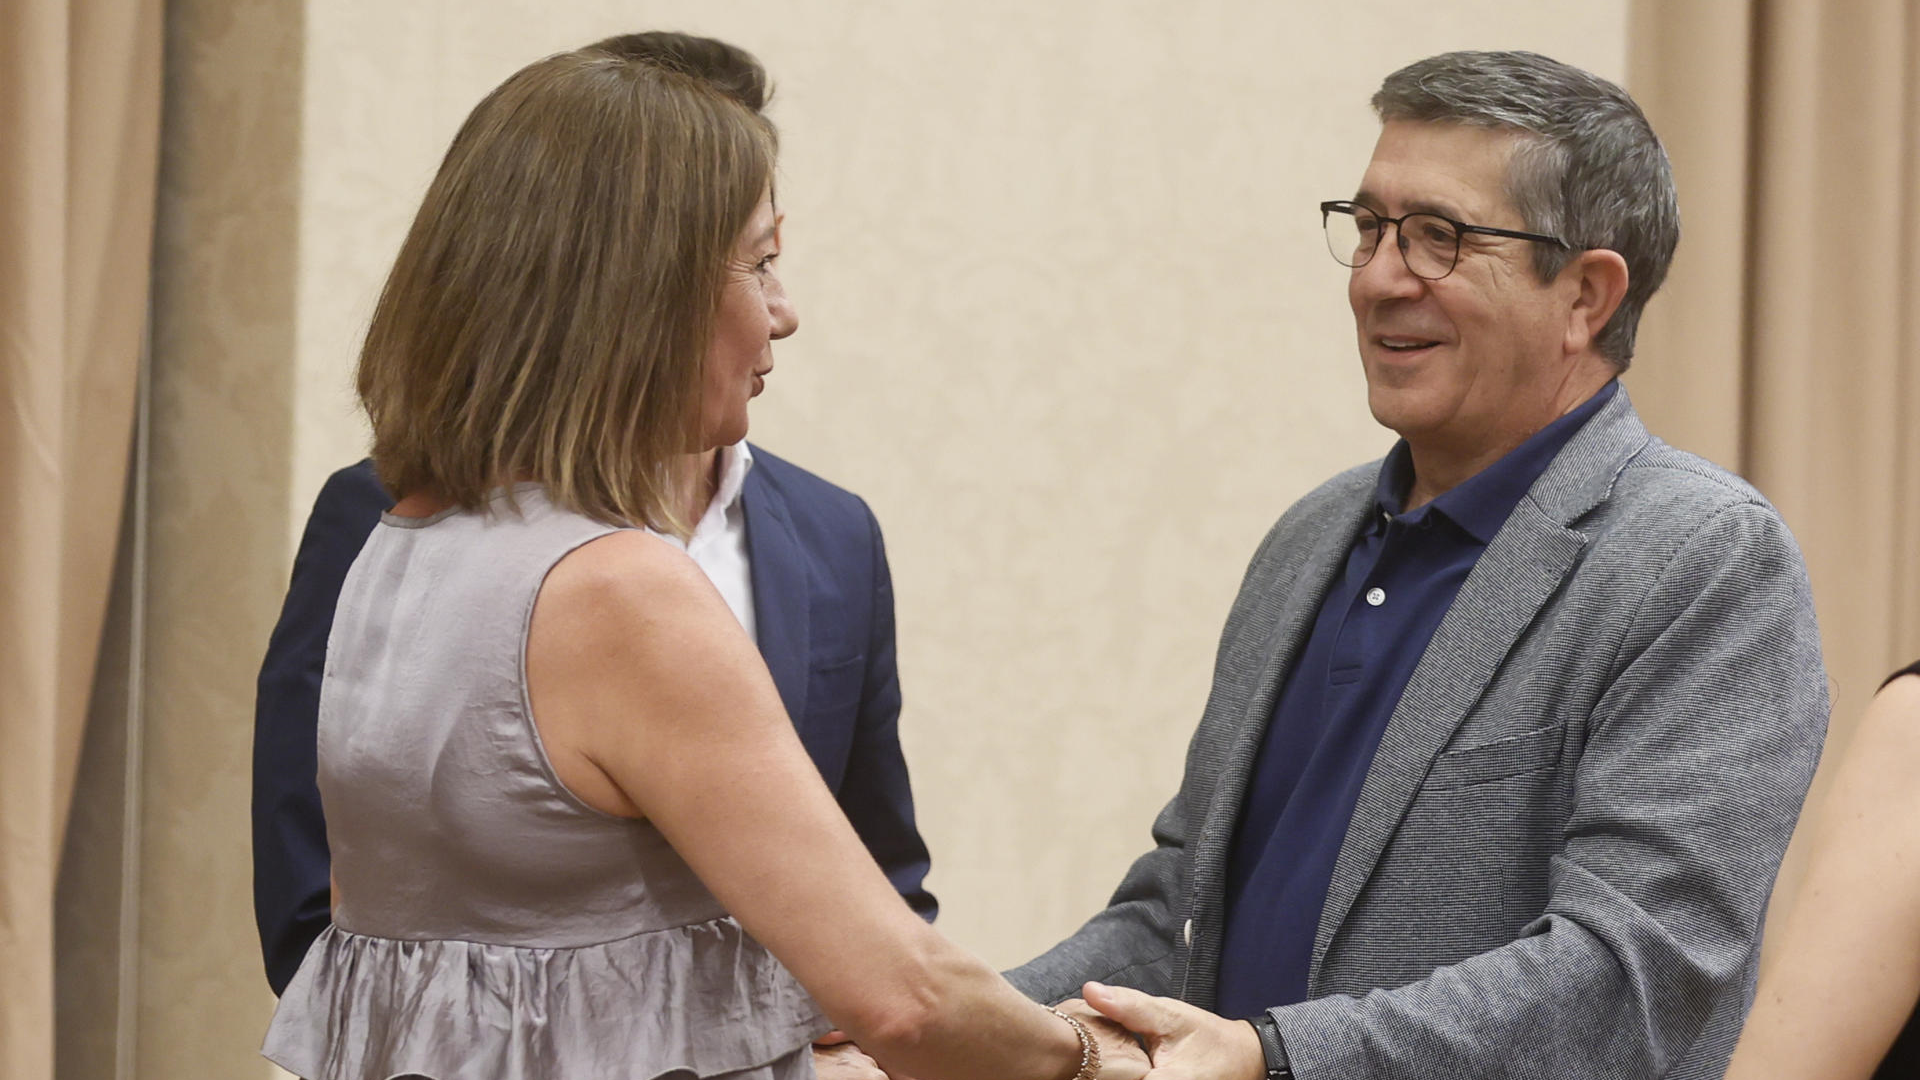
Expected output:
{"points": [[573, 832], [1837, 999]]}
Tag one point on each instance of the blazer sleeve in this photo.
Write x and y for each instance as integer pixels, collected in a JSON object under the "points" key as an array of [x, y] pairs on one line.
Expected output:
{"points": [[1139, 939], [874, 790], [1131, 941], [1697, 757], [291, 886]]}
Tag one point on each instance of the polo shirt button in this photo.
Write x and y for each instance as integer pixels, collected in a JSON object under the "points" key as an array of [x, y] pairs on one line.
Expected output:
{"points": [[1376, 596], [1186, 934]]}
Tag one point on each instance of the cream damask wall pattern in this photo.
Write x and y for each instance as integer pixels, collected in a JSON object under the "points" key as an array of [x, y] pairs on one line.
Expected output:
{"points": [[1067, 323]]}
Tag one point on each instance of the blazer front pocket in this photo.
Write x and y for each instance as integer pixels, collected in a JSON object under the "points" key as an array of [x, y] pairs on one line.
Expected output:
{"points": [[834, 687], [1514, 755]]}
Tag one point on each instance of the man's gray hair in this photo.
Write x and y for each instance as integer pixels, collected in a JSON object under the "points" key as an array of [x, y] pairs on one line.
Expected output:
{"points": [[1588, 169]]}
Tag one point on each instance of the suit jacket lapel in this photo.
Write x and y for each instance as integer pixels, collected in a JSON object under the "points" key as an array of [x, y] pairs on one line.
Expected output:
{"points": [[1278, 650], [778, 572], [1519, 572], [1282, 645]]}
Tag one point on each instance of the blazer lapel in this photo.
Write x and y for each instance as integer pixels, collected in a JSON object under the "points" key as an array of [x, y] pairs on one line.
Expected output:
{"points": [[1278, 650], [780, 608], [1519, 572], [1282, 645]]}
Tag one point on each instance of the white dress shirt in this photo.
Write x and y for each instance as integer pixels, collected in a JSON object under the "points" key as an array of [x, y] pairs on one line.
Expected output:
{"points": [[719, 541]]}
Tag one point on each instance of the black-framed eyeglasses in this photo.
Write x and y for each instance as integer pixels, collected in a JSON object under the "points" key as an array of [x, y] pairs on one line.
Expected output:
{"points": [[1429, 243]]}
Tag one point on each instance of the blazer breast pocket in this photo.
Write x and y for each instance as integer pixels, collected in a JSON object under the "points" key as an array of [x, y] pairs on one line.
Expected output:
{"points": [[1514, 755], [834, 687]]}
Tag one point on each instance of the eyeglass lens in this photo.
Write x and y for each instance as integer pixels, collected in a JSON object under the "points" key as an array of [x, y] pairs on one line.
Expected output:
{"points": [[1429, 243]]}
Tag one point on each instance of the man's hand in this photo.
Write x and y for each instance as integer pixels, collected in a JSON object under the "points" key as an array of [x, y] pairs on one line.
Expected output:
{"points": [[1120, 1055], [1184, 1043], [844, 1061]]}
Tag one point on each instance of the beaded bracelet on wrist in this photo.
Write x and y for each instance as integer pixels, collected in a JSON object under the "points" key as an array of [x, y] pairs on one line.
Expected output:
{"points": [[1089, 1050]]}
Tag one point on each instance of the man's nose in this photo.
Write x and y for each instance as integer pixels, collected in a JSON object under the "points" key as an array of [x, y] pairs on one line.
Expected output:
{"points": [[1386, 274]]}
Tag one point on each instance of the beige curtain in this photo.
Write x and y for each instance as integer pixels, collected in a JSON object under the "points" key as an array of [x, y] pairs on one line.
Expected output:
{"points": [[79, 125], [1786, 344]]}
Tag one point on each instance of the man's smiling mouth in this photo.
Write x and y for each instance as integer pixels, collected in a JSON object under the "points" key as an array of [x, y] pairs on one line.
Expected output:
{"points": [[1405, 344]]}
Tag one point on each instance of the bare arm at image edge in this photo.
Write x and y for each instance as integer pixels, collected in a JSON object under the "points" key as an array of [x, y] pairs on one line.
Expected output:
{"points": [[1847, 974]]}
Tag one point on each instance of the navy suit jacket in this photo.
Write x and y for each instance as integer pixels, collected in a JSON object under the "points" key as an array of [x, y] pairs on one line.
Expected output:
{"points": [[823, 603]]}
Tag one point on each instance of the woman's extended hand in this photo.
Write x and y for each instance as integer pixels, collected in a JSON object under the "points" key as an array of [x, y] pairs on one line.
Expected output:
{"points": [[844, 1061], [1183, 1042], [1120, 1055]]}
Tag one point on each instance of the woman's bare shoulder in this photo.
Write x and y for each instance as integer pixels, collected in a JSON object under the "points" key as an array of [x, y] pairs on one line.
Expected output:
{"points": [[1876, 776], [1891, 724], [624, 578], [622, 625]]}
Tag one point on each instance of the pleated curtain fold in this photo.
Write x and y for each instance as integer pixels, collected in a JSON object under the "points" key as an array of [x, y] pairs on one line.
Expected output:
{"points": [[1786, 343], [79, 134]]}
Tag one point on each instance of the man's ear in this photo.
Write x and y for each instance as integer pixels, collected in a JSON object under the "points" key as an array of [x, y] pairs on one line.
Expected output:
{"points": [[1600, 276]]}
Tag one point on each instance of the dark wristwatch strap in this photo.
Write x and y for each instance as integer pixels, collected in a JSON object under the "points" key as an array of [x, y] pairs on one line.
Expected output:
{"points": [[1272, 1048]]}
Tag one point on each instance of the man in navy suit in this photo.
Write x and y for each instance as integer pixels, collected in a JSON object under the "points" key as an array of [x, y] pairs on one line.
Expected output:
{"points": [[814, 590]]}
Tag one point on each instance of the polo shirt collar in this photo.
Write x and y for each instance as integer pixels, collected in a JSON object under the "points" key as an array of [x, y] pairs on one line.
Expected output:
{"points": [[1484, 501]]}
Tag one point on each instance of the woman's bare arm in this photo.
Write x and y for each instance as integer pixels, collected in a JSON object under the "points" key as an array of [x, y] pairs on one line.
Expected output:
{"points": [[652, 701], [1847, 973]]}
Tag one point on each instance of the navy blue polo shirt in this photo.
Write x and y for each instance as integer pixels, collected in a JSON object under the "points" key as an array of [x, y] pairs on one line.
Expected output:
{"points": [[1400, 578]]}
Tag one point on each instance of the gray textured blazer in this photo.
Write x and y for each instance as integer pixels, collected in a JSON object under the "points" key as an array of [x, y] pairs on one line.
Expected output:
{"points": [[1561, 854]]}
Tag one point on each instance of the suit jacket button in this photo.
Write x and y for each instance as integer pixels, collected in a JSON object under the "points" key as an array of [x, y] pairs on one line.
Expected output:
{"points": [[1187, 934]]}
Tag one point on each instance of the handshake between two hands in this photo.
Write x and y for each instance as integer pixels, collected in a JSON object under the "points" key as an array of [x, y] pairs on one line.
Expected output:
{"points": [[1181, 1042]]}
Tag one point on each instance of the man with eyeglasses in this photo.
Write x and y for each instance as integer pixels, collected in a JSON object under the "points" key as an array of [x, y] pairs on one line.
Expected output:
{"points": [[1509, 731]]}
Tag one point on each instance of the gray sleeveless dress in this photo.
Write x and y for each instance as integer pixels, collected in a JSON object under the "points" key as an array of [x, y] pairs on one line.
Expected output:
{"points": [[490, 924]]}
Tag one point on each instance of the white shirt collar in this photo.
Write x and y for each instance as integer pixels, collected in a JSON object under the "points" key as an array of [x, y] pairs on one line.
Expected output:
{"points": [[735, 461], [719, 541]]}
